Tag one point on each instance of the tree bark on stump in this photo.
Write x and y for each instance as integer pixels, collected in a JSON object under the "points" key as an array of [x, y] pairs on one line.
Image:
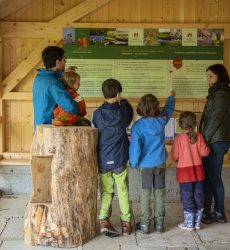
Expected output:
{"points": [[62, 211]]}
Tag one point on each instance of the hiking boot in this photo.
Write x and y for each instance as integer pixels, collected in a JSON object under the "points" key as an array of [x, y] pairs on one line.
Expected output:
{"points": [[159, 228], [219, 217], [126, 228], [207, 219], [142, 228], [107, 229]]}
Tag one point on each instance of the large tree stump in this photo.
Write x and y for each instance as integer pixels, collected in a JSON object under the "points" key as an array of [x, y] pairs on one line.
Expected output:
{"points": [[62, 211]]}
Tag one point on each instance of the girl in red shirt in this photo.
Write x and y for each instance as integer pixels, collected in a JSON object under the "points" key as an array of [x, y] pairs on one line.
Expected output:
{"points": [[188, 149]]}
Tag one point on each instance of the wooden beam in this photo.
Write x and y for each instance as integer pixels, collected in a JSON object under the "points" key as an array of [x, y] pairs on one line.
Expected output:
{"points": [[50, 29], [25, 66], [2, 126], [12, 6], [77, 12], [2, 1], [18, 96], [47, 29], [80, 11]]}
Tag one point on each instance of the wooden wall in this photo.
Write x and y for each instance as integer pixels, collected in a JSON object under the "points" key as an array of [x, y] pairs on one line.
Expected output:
{"points": [[28, 26]]}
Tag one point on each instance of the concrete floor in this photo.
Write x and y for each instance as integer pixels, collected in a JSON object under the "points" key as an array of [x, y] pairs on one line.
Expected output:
{"points": [[215, 236]]}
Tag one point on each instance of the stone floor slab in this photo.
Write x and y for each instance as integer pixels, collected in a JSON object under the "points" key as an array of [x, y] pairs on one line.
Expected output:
{"points": [[13, 206], [20, 245], [13, 230], [102, 242]]}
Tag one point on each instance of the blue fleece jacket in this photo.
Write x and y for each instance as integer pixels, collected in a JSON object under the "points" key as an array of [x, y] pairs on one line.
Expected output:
{"points": [[113, 146], [147, 147], [47, 92]]}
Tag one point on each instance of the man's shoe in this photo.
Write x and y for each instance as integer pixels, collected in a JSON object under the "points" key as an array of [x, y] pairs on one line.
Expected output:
{"points": [[107, 229], [159, 228], [207, 219], [142, 228], [126, 228], [219, 217]]}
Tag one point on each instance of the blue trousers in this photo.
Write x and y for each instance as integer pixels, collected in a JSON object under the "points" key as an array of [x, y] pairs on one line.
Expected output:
{"points": [[213, 184], [192, 196]]}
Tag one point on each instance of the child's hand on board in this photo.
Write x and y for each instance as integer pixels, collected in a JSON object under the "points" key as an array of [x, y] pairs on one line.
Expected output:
{"points": [[71, 68], [173, 92]]}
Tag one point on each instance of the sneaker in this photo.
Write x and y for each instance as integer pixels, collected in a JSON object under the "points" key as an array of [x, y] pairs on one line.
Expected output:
{"points": [[207, 219], [142, 228], [107, 229], [159, 228], [126, 228], [185, 227], [219, 217]]}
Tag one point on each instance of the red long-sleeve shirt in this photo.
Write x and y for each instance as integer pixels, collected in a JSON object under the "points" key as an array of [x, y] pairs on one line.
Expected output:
{"points": [[189, 157]]}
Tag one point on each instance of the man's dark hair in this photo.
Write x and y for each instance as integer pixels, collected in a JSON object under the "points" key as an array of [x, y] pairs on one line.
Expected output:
{"points": [[148, 106], [50, 54], [110, 88], [220, 71]]}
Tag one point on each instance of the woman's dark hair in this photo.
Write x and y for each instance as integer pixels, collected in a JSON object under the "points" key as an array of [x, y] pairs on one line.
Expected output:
{"points": [[148, 106], [187, 121], [220, 71], [50, 54], [110, 88]]}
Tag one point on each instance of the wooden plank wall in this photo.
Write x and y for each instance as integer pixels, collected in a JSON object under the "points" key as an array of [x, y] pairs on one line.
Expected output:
{"points": [[18, 111]]}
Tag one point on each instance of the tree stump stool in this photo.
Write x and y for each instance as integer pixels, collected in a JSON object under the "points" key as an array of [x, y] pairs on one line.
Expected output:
{"points": [[62, 211]]}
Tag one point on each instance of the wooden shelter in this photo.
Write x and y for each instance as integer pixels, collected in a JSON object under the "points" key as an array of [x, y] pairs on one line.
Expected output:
{"points": [[27, 27]]}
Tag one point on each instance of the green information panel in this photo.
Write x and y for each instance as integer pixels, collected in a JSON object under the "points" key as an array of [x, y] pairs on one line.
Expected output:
{"points": [[144, 60]]}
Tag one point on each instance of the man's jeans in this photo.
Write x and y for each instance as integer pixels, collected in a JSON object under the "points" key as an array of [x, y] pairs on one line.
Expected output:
{"points": [[213, 184]]}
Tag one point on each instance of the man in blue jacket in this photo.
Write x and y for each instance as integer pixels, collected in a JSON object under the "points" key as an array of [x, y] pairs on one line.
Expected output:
{"points": [[47, 88], [112, 119]]}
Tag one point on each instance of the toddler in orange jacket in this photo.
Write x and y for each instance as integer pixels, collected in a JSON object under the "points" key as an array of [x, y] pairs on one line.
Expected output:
{"points": [[71, 81]]}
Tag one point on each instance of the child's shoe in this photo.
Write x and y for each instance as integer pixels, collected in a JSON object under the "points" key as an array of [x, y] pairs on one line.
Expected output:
{"points": [[159, 228], [188, 223], [142, 228], [159, 225], [107, 229], [126, 228], [198, 218]]}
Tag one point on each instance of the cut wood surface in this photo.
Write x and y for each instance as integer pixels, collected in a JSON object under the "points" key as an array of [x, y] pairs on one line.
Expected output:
{"points": [[69, 219]]}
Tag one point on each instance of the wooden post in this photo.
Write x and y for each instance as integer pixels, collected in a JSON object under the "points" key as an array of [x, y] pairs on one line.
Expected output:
{"points": [[66, 215], [2, 128]]}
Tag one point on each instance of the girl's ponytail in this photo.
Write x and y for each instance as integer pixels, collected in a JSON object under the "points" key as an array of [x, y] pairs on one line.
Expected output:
{"points": [[192, 135], [188, 122]]}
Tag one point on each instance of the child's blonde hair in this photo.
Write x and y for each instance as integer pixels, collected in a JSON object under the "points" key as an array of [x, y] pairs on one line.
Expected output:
{"points": [[70, 78], [188, 122]]}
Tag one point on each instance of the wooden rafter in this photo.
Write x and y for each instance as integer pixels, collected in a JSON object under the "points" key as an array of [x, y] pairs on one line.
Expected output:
{"points": [[72, 15], [50, 30], [9, 7], [2, 1]]}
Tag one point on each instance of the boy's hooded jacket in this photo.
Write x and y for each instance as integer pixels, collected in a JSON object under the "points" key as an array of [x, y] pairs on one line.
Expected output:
{"points": [[112, 121], [47, 92]]}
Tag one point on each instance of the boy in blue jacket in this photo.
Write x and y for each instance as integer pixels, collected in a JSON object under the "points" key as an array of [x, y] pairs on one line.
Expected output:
{"points": [[112, 119], [147, 151], [48, 89]]}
